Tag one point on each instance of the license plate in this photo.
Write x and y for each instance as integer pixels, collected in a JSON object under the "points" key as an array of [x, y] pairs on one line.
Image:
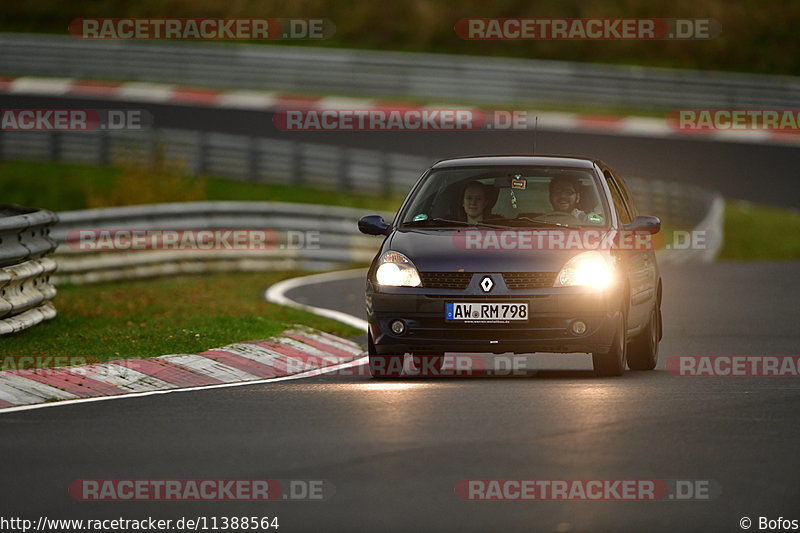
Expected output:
{"points": [[486, 312]]}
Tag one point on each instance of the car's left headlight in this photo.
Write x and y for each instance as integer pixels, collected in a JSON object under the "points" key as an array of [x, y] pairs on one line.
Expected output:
{"points": [[587, 269], [397, 270]]}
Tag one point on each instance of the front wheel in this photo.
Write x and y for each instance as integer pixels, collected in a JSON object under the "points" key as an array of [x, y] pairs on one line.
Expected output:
{"points": [[612, 362], [643, 352], [383, 366]]}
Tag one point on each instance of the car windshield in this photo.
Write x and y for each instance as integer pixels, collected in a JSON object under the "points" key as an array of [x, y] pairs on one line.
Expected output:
{"points": [[514, 197]]}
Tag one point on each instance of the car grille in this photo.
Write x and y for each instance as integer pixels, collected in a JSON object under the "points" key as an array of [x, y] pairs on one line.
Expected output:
{"points": [[514, 280], [445, 280], [529, 280]]}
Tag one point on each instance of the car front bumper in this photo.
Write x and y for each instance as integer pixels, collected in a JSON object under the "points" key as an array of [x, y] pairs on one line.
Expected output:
{"points": [[551, 314]]}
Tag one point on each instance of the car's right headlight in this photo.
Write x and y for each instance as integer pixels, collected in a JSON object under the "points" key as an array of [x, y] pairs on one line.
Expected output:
{"points": [[397, 270], [587, 269]]}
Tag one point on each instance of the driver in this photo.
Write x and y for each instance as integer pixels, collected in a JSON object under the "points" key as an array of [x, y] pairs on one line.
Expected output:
{"points": [[565, 197]]}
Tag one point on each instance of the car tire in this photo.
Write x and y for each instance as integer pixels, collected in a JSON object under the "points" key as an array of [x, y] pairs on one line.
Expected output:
{"points": [[383, 366], [643, 349], [612, 362], [429, 363]]}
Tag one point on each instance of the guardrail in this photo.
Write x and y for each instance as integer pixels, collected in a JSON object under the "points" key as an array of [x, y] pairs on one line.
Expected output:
{"points": [[337, 242], [274, 161], [329, 239], [25, 287], [434, 77], [235, 156], [263, 160], [683, 207]]}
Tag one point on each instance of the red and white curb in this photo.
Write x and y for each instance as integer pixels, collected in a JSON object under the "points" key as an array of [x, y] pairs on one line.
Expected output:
{"points": [[271, 101], [298, 352]]}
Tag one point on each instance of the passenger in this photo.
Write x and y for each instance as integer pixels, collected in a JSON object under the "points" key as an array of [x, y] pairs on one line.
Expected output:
{"points": [[474, 202]]}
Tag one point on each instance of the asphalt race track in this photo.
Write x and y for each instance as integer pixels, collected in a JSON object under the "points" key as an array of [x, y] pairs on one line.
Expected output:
{"points": [[394, 451], [761, 173]]}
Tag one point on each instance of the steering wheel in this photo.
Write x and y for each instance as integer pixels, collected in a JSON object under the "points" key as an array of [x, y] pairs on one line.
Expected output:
{"points": [[560, 217]]}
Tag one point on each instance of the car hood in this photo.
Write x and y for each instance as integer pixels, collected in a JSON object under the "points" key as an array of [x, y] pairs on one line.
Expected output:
{"points": [[447, 251]]}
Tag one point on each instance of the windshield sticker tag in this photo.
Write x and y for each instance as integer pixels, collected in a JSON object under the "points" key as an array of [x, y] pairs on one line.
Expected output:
{"points": [[594, 217], [421, 216], [519, 184]]}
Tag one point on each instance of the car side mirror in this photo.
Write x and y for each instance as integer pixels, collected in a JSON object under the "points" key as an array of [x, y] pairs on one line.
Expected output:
{"points": [[373, 225], [647, 224]]}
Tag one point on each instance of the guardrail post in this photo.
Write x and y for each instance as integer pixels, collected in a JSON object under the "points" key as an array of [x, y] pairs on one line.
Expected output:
{"points": [[202, 153], [103, 150], [296, 164], [386, 173], [54, 147], [253, 159], [153, 147], [344, 165]]}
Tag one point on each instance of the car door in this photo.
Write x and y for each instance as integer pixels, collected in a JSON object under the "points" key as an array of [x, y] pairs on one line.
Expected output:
{"points": [[639, 262]]}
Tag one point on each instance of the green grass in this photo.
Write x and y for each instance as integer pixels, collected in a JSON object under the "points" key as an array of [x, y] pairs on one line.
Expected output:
{"points": [[147, 318], [760, 232], [64, 187], [155, 317]]}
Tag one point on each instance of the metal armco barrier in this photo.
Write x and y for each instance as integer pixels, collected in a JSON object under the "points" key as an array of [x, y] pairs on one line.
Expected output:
{"points": [[308, 237], [336, 240], [254, 159], [434, 77], [286, 162], [25, 288], [262, 160]]}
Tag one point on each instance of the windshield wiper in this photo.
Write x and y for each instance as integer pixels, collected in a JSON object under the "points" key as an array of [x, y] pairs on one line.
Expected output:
{"points": [[456, 222]]}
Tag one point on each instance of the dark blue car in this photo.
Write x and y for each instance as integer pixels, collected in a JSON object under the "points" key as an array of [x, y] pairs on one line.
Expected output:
{"points": [[515, 253]]}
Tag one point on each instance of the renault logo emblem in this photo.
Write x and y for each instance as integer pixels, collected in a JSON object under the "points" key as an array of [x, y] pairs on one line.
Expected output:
{"points": [[487, 283]]}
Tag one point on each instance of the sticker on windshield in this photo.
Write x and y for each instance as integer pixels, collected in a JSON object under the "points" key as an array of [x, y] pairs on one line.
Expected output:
{"points": [[519, 184], [594, 217], [421, 216]]}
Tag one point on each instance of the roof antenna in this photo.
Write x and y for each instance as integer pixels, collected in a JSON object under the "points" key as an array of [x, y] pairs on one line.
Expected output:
{"points": [[535, 130]]}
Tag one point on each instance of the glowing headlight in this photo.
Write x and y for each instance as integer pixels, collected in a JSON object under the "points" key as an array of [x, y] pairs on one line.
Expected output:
{"points": [[588, 269], [397, 270]]}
